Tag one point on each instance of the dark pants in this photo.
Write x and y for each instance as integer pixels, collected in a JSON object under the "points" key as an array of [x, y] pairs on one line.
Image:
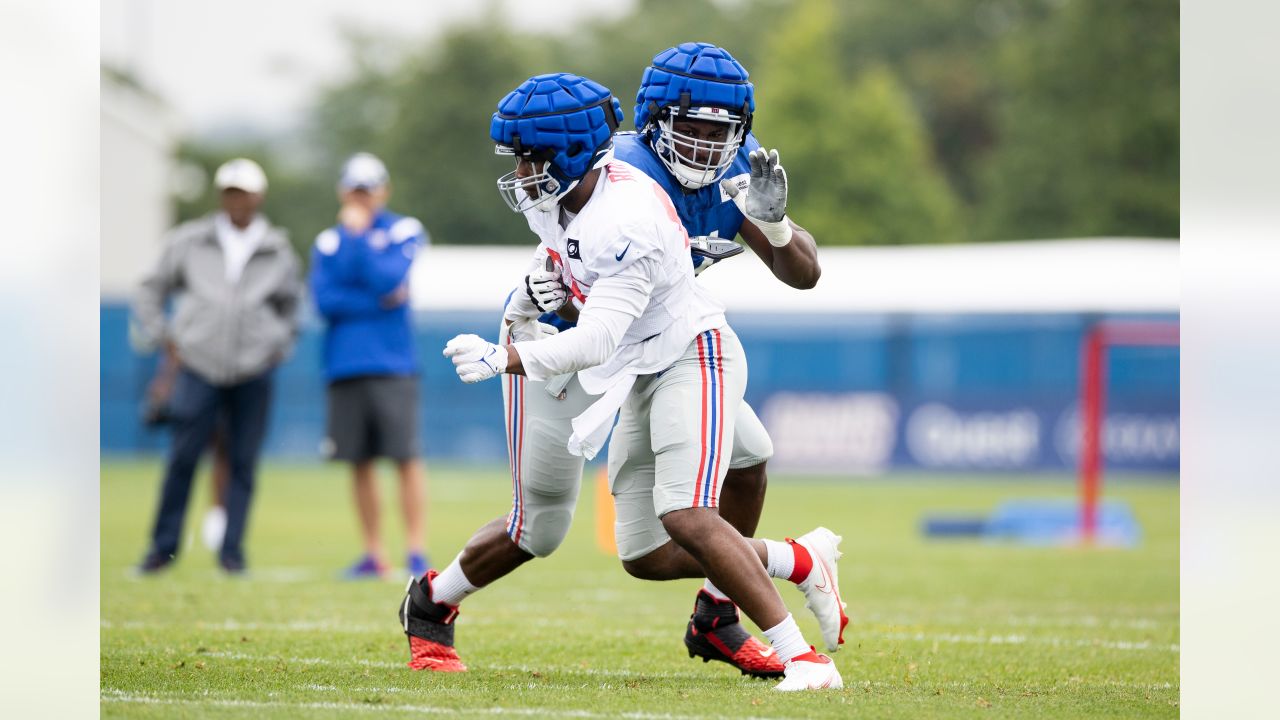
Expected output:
{"points": [[196, 405]]}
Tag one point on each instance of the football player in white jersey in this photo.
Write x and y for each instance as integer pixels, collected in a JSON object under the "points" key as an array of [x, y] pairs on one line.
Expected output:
{"points": [[649, 342]]}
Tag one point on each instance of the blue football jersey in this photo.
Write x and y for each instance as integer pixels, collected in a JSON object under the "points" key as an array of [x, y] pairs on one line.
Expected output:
{"points": [[707, 211]]}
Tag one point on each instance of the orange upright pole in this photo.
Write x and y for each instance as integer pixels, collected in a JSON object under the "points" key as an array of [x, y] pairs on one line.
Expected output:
{"points": [[604, 514]]}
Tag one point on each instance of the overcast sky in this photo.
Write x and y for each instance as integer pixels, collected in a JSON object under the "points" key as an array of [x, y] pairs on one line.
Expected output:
{"points": [[256, 62]]}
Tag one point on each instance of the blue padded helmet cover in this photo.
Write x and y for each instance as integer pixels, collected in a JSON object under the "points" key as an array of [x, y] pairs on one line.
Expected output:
{"points": [[565, 118], [709, 74]]}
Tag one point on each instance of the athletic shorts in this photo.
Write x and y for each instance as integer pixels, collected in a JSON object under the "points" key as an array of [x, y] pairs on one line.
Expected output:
{"points": [[546, 478], [373, 416], [670, 449]]}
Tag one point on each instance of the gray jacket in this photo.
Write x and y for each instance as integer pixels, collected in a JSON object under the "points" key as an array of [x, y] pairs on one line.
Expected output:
{"points": [[226, 333]]}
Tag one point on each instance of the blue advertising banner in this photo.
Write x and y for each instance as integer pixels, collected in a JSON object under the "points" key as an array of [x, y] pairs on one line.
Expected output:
{"points": [[848, 394]]}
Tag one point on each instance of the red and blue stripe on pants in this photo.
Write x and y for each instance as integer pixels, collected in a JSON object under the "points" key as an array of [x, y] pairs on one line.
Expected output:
{"points": [[711, 362], [515, 447]]}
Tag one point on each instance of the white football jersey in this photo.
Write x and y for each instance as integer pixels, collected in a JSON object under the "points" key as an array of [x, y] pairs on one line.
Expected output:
{"points": [[628, 218]]}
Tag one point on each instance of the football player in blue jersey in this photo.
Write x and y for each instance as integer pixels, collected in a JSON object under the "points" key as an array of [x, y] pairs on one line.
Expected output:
{"points": [[693, 112], [693, 120]]}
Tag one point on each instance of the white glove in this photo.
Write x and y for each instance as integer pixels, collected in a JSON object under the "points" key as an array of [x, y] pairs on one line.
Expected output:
{"points": [[545, 289], [475, 359], [765, 202], [528, 328]]}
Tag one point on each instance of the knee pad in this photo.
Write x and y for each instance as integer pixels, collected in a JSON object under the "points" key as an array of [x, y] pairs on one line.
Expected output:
{"points": [[546, 523], [751, 442], [633, 544], [637, 531]]}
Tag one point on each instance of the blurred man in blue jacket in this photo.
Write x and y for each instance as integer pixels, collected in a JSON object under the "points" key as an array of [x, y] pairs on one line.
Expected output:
{"points": [[360, 282]]}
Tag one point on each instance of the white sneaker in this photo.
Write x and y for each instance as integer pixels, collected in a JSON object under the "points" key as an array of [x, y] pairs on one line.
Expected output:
{"points": [[822, 587], [807, 675], [214, 527]]}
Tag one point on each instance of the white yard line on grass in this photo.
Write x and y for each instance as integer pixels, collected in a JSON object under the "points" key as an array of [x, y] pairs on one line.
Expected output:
{"points": [[338, 625], [1084, 621], [641, 674], [633, 674], [120, 696], [566, 670], [987, 687], [328, 626], [1024, 639], [950, 638], [1052, 607], [362, 662]]}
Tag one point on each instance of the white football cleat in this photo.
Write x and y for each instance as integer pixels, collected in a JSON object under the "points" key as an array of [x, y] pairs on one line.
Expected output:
{"points": [[822, 587], [810, 675]]}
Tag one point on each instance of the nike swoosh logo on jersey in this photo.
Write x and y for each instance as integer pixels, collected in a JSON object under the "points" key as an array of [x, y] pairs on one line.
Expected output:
{"points": [[618, 257]]}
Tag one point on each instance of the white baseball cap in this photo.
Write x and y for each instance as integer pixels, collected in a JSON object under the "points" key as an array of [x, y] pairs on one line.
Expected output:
{"points": [[363, 171], [241, 173]]}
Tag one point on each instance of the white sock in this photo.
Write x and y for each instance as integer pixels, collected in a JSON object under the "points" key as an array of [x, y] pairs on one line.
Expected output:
{"points": [[714, 591], [451, 586], [782, 559], [786, 639]]}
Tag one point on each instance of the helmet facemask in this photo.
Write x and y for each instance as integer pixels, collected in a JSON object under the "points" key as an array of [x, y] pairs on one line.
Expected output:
{"points": [[549, 184], [559, 159], [695, 162]]}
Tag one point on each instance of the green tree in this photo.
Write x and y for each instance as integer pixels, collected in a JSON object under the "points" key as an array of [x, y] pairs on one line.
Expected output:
{"points": [[857, 154], [438, 145], [1089, 125], [898, 122], [616, 52], [943, 52], [428, 113]]}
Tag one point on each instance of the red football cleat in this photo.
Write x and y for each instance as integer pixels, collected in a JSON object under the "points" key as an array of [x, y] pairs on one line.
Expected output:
{"points": [[428, 655], [429, 626], [714, 633]]}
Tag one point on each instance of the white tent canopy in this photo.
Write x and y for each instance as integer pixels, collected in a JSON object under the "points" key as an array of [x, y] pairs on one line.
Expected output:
{"points": [[1085, 275]]}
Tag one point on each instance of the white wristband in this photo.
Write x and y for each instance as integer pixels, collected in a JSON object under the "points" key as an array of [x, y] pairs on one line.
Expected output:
{"points": [[777, 233]]}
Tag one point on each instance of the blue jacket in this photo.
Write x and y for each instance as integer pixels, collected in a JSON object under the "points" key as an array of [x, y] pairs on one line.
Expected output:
{"points": [[350, 274]]}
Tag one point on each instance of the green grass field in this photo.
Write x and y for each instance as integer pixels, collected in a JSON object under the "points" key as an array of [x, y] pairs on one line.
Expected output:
{"points": [[938, 629]]}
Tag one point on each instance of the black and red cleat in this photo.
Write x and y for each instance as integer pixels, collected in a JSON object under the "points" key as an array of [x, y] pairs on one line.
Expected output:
{"points": [[714, 633], [429, 626]]}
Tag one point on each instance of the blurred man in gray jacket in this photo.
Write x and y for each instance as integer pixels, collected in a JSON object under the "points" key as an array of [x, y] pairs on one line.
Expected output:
{"points": [[236, 283]]}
